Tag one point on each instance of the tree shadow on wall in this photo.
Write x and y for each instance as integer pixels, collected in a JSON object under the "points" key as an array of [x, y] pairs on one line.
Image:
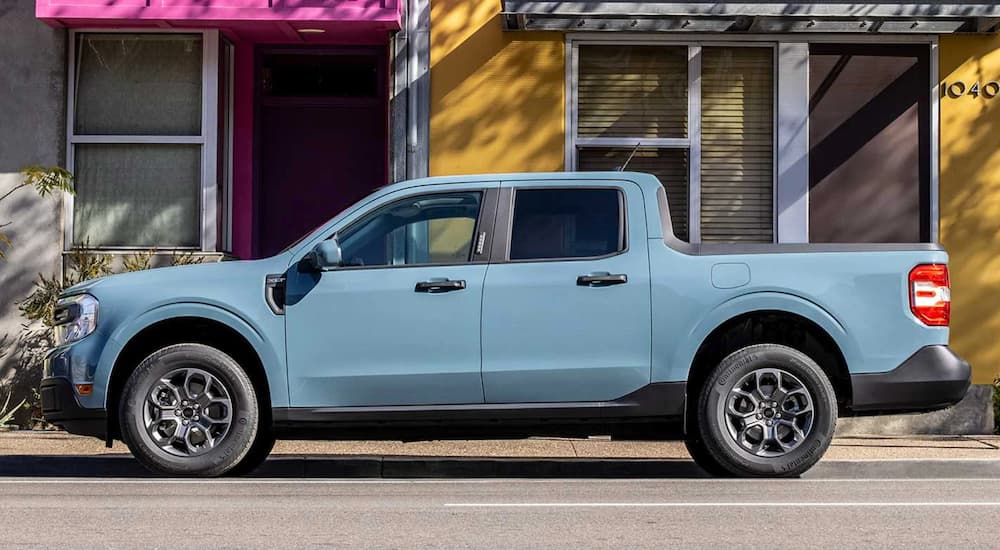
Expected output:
{"points": [[970, 207], [497, 102]]}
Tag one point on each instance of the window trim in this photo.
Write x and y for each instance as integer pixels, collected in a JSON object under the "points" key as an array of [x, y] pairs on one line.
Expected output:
{"points": [[487, 201], [574, 40], [504, 228], [208, 140]]}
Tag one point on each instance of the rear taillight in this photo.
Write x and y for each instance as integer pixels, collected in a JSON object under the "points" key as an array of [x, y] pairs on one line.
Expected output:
{"points": [[930, 294]]}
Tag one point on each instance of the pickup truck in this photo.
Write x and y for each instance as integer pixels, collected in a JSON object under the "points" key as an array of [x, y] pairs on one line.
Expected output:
{"points": [[507, 306]]}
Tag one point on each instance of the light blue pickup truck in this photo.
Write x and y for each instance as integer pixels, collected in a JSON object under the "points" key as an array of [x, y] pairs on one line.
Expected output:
{"points": [[507, 306]]}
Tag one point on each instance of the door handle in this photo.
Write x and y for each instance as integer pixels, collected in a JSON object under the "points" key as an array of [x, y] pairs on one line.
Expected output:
{"points": [[601, 279], [436, 286]]}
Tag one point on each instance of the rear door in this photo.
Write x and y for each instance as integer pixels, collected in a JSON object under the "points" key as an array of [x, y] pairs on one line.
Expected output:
{"points": [[566, 313]]}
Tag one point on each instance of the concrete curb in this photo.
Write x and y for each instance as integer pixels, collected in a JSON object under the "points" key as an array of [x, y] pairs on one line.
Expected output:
{"points": [[402, 467]]}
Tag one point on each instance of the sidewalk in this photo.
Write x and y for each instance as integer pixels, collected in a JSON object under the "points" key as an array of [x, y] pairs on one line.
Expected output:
{"points": [[843, 448]]}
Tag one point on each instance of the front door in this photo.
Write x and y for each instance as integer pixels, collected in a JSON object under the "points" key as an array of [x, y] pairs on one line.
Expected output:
{"points": [[566, 312], [322, 137], [398, 324]]}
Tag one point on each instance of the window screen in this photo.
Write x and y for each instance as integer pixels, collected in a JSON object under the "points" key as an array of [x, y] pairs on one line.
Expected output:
{"points": [[145, 90], [566, 223], [138, 84]]}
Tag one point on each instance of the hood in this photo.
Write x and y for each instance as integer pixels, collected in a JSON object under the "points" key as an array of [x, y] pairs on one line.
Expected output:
{"points": [[182, 279]]}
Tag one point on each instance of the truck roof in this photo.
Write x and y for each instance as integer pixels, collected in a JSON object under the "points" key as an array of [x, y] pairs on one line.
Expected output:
{"points": [[644, 180]]}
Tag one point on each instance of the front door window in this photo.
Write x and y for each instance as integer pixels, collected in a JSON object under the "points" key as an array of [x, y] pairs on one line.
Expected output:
{"points": [[429, 229]]}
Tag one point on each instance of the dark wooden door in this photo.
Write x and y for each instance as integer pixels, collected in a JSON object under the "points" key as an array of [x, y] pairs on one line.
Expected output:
{"points": [[322, 138]]}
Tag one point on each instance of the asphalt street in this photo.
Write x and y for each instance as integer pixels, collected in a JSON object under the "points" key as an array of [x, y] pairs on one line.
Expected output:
{"points": [[499, 513]]}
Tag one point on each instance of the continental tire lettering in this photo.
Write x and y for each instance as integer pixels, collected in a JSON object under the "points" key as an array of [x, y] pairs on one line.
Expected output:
{"points": [[735, 367], [806, 455]]}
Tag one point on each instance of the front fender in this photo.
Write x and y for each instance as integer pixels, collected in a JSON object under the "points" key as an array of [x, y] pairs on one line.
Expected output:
{"points": [[752, 302], [270, 358]]}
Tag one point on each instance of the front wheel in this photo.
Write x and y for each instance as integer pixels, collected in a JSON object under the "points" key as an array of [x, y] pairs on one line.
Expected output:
{"points": [[189, 410], [765, 411]]}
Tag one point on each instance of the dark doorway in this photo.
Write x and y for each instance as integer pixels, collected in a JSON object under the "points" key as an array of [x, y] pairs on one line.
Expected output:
{"points": [[869, 142], [322, 137]]}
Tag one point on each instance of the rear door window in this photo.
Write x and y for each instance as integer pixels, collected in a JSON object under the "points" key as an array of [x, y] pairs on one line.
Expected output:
{"points": [[552, 224]]}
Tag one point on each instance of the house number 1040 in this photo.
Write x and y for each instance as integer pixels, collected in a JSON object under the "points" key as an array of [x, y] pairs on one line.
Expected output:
{"points": [[988, 90]]}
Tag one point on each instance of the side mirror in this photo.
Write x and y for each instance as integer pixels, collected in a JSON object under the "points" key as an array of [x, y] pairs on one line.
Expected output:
{"points": [[325, 255]]}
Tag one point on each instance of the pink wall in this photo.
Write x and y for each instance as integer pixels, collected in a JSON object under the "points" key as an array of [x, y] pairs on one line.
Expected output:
{"points": [[243, 151], [246, 23], [75, 12]]}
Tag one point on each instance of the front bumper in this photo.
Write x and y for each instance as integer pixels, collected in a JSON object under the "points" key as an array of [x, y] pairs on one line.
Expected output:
{"points": [[60, 407], [932, 378]]}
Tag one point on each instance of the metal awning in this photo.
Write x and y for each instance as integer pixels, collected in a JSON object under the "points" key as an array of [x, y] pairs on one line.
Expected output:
{"points": [[768, 17]]}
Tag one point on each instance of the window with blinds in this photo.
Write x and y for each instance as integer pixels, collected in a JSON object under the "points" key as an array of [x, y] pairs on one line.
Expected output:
{"points": [[630, 95], [632, 91], [737, 162]]}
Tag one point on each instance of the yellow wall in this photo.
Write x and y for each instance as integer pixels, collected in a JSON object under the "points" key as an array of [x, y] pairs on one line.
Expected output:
{"points": [[496, 97], [970, 201]]}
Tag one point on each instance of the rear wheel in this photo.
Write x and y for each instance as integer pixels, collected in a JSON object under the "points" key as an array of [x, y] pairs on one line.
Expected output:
{"points": [[189, 410], [766, 410]]}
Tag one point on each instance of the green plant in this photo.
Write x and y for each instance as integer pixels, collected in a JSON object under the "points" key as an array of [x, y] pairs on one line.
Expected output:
{"points": [[996, 405], [45, 180], [185, 258], [37, 333], [83, 266], [140, 261], [5, 413]]}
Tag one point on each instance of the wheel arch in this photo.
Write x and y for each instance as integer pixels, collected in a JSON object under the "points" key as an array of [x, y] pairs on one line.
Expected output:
{"points": [[785, 319], [195, 323]]}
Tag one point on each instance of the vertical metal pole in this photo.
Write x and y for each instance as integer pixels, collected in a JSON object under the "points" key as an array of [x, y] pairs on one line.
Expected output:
{"points": [[399, 102], [935, 145], [418, 23]]}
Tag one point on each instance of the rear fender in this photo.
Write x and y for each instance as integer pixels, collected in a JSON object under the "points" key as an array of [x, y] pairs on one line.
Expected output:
{"points": [[748, 303]]}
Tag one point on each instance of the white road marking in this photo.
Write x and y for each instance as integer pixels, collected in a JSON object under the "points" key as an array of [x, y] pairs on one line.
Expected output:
{"points": [[716, 504], [336, 481]]}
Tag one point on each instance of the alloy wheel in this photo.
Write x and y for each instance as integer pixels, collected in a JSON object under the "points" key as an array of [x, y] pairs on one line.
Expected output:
{"points": [[769, 412], [188, 412]]}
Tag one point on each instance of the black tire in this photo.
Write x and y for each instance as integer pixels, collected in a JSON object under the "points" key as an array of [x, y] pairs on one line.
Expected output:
{"points": [[257, 454], [704, 459], [227, 450], [785, 452]]}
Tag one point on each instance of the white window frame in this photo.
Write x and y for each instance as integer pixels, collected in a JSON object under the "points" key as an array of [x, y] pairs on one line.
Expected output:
{"points": [[794, 223], [208, 140]]}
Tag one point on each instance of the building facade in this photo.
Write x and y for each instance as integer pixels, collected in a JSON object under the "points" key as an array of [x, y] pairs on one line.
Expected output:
{"points": [[231, 127]]}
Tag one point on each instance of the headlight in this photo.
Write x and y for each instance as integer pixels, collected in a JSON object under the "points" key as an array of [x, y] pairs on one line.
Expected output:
{"points": [[74, 318]]}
